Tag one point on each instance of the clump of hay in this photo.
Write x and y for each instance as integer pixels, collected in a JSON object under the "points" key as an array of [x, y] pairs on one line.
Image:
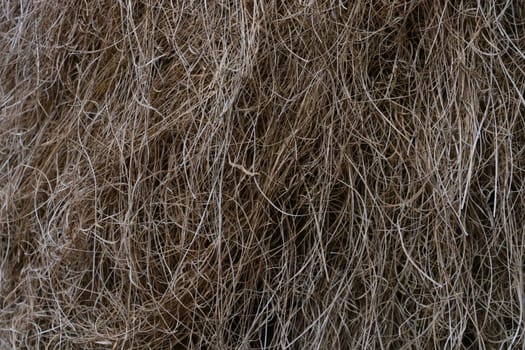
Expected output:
{"points": [[262, 174]]}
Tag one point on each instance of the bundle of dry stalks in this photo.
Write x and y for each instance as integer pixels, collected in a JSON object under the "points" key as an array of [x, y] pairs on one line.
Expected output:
{"points": [[262, 174]]}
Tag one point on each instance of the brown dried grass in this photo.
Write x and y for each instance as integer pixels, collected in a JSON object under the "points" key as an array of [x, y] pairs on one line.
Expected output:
{"points": [[262, 174]]}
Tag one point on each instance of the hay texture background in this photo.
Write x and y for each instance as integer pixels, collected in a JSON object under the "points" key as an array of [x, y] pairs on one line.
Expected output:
{"points": [[262, 174]]}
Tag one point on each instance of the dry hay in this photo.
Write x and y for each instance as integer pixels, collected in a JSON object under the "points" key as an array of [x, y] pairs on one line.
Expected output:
{"points": [[262, 174]]}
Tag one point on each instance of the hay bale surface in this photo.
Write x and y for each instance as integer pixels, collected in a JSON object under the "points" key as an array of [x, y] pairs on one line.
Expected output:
{"points": [[262, 174]]}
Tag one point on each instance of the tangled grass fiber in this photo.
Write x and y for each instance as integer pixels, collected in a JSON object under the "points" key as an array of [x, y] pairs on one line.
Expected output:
{"points": [[262, 174]]}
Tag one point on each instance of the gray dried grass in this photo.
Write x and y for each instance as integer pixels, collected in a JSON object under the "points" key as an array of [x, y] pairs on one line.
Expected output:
{"points": [[262, 174]]}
